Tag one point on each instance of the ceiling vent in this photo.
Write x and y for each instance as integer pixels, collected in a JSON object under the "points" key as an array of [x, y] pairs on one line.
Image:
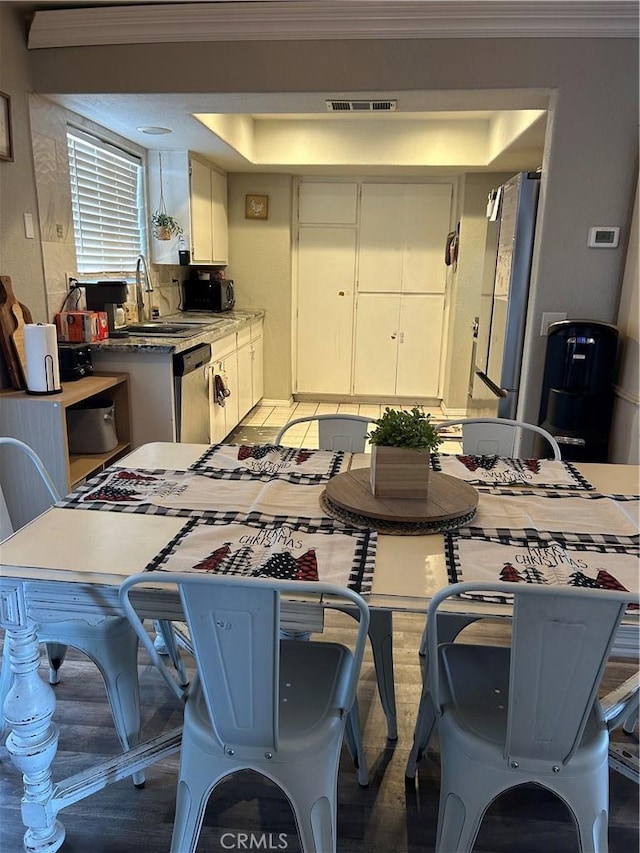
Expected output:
{"points": [[361, 106]]}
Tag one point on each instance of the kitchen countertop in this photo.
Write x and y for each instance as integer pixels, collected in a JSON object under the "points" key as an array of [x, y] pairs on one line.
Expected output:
{"points": [[211, 327]]}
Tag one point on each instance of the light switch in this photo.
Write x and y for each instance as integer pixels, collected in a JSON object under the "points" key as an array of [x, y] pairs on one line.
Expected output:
{"points": [[550, 317], [28, 226], [603, 237]]}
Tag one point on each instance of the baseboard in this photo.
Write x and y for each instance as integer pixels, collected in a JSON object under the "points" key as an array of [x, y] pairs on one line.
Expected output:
{"points": [[276, 403], [367, 399], [453, 414]]}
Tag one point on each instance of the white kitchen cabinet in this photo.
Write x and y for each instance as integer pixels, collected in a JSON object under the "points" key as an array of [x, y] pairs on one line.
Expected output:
{"points": [[250, 368], [402, 237], [397, 349], [257, 363], [224, 363], [326, 282], [195, 194]]}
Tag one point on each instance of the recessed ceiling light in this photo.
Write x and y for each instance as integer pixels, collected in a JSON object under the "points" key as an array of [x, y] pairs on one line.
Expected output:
{"points": [[155, 131]]}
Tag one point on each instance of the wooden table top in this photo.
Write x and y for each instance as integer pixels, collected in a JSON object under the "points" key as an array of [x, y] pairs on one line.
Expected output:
{"points": [[448, 498]]}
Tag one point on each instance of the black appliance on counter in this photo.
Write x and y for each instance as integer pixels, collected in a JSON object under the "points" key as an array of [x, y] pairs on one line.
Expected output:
{"points": [[75, 361], [577, 387], [203, 291]]}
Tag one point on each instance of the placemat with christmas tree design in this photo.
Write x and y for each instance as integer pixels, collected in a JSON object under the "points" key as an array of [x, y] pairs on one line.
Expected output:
{"points": [[266, 461], [504, 471], [286, 551], [539, 558]]}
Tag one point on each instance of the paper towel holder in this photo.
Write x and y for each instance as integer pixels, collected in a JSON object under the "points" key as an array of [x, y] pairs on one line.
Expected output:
{"points": [[50, 372], [49, 377]]}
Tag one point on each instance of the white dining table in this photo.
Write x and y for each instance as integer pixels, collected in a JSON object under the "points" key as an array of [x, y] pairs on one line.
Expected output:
{"points": [[69, 563]]}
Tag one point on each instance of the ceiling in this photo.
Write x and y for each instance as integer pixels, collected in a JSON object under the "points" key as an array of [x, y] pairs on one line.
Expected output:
{"points": [[429, 132]]}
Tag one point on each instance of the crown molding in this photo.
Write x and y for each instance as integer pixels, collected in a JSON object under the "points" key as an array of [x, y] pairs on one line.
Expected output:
{"points": [[268, 20]]}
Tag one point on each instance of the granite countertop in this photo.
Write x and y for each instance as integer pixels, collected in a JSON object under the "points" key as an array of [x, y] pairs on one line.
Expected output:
{"points": [[209, 328]]}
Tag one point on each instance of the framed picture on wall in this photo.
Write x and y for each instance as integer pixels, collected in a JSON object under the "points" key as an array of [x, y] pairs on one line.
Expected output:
{"points": [[6, 147], [256, 207]]}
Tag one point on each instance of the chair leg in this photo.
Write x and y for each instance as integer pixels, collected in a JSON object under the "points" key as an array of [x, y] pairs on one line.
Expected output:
{"points": [[353, 741], [56, 653], [425, 723], [587, 798], [381, 637], [167, 638]]}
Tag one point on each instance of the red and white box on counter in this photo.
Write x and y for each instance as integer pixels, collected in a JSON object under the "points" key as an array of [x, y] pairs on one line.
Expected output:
{"points": [[82, 326]]}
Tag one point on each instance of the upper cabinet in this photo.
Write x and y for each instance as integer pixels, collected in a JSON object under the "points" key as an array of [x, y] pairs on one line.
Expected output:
{"points": [[195, 194]]}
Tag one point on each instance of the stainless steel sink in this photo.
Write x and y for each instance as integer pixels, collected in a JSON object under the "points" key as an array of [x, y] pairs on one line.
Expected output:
{"points": [[164, 330]]}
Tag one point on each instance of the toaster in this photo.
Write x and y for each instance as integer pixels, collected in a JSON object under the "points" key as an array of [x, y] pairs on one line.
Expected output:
{"points": [[75, 361]]}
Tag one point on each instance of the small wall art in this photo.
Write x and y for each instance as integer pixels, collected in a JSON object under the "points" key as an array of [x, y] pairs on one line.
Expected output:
{"points": [[256, 207], [6, 146]]}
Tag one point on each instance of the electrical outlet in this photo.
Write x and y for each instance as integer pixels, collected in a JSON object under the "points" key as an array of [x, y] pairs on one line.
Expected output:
{"points": [[70, 278]]}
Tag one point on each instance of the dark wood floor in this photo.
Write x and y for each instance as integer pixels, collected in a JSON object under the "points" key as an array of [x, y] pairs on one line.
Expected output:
{"points": [[390, 816]]}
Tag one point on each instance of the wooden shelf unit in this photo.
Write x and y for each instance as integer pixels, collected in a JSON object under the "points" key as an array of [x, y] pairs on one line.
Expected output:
{"points": [[41, 422]]}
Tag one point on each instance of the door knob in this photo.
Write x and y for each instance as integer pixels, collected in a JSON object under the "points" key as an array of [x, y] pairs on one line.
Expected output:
{"points": [[341, 293]]}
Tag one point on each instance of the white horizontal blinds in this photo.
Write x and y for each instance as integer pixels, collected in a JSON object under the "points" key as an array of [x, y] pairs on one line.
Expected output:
{"points": [[107, 200]]}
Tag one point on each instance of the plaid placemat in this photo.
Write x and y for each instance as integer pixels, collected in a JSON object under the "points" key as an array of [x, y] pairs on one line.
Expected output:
{"points": [[191, 493], [282, 550], [504, 471], [266, 461], [539, 558]]}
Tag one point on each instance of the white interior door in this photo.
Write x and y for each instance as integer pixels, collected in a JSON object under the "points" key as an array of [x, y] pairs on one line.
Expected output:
{"points": [[326, 273], [381, 238], [419, 345], [426, 218], [376, 349]]}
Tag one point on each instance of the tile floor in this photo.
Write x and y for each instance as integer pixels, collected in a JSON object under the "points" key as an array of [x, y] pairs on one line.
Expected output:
{"points": [[263, 422]]}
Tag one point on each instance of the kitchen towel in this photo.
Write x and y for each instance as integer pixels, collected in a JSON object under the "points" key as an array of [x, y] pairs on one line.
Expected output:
{"points": [[41, 355]]}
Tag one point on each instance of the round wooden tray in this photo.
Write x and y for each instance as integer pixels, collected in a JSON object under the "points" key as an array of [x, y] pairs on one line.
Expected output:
{"points": [[450, 503]]}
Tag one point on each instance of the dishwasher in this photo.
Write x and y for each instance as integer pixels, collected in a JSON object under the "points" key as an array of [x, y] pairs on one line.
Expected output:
{"points": [[191, 390]]}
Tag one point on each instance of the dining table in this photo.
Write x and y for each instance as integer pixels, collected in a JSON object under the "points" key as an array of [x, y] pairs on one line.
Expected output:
{"points": [[262, 510]]}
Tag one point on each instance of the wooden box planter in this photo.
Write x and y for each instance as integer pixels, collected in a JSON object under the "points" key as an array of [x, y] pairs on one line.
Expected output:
{"points": [[399, 472]]}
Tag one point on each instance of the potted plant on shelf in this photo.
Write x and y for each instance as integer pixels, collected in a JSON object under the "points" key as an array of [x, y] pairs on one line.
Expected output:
{"points": [[400, 455], [164, 226]]}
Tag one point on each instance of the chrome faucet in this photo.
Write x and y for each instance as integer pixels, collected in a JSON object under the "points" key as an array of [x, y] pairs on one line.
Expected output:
{"points": [[144, 311]]}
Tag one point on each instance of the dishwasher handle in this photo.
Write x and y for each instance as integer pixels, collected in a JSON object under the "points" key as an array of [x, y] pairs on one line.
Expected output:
{"points": [[189, 360]]}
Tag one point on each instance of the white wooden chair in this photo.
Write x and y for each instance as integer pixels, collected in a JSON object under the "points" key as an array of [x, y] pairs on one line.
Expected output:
{"points": [[525, 714], [496, 436], [111, 643], [277, 707]]}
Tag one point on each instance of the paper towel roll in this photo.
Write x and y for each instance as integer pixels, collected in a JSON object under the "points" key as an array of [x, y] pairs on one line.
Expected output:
{"points": [[41, 355]]}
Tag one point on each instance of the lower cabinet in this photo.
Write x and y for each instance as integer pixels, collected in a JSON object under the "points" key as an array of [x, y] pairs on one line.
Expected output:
{"points": [[238, 362]]}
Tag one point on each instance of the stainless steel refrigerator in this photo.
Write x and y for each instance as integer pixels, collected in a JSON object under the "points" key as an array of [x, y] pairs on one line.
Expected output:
{"points": [[500, 325]]}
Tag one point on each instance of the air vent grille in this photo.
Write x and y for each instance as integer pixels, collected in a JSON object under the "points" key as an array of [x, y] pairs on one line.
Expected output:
{"points": [[361, 106]]}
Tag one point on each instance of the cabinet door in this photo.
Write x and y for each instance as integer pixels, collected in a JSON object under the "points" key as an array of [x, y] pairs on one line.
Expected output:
{"points": [[257, 371], [326, 269], [245, 363], [328, 202], [201, 214], [376, 350], [419, 345], [402, 237], [220, 225]]}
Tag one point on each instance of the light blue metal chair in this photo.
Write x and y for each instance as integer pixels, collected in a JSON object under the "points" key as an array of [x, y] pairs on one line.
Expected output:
{"points": [[496, 436], [335, 432], [278, 707], [525, 714]]}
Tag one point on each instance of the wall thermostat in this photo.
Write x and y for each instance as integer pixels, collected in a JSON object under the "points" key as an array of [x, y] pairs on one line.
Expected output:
{"points": [[603, 237]]}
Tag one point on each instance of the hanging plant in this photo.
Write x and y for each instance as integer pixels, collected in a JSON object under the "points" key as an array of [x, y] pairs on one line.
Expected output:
{"points": [[164, 226]]}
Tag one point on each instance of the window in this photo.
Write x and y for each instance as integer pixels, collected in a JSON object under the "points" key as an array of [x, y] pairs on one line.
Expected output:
{"points": [[108, 205]]}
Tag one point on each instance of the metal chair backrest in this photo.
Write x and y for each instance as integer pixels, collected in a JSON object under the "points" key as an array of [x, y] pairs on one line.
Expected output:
{"points": [[234, 627], [335, 432], [561, 639], [497, 436], [6, 526]]}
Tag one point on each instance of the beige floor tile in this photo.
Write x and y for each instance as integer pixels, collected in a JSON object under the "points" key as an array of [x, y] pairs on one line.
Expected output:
{"points": [[369, 410], [348, 408]]}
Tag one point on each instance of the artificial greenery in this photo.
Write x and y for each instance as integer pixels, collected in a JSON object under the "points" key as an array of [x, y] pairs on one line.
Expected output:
{"points": [[160, 219], [412, 429]]}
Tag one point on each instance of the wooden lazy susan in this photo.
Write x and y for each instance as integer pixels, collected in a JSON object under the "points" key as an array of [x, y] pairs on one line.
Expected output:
{"points": [[450, 504]]}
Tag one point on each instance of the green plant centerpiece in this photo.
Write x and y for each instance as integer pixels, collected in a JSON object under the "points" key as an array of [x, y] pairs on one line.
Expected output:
{"points": [[164, 226], [400, 455]]}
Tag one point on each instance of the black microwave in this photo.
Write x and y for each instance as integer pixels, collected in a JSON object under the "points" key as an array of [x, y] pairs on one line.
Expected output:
{"points": [[208, 295]]}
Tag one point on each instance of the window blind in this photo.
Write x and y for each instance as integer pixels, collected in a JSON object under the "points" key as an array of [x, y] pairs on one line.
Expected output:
{"points": [[108, 205]]}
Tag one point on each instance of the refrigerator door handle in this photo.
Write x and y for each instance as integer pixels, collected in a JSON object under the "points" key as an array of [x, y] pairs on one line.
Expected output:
{"points": [[491, 385]]}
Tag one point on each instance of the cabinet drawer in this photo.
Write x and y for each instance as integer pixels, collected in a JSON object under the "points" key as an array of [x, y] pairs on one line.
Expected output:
{"points": [[244, 336], [223, 347]]}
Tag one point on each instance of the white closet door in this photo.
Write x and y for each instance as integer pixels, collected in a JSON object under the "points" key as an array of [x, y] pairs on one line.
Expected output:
{"points": [[381, 238], [403, 230], [419, 345], [329, 202], [376, 351], [326, 275]]}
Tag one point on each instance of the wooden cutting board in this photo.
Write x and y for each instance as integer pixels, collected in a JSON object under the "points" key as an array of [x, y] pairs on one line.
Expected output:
{"points": [[13, 317]]}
